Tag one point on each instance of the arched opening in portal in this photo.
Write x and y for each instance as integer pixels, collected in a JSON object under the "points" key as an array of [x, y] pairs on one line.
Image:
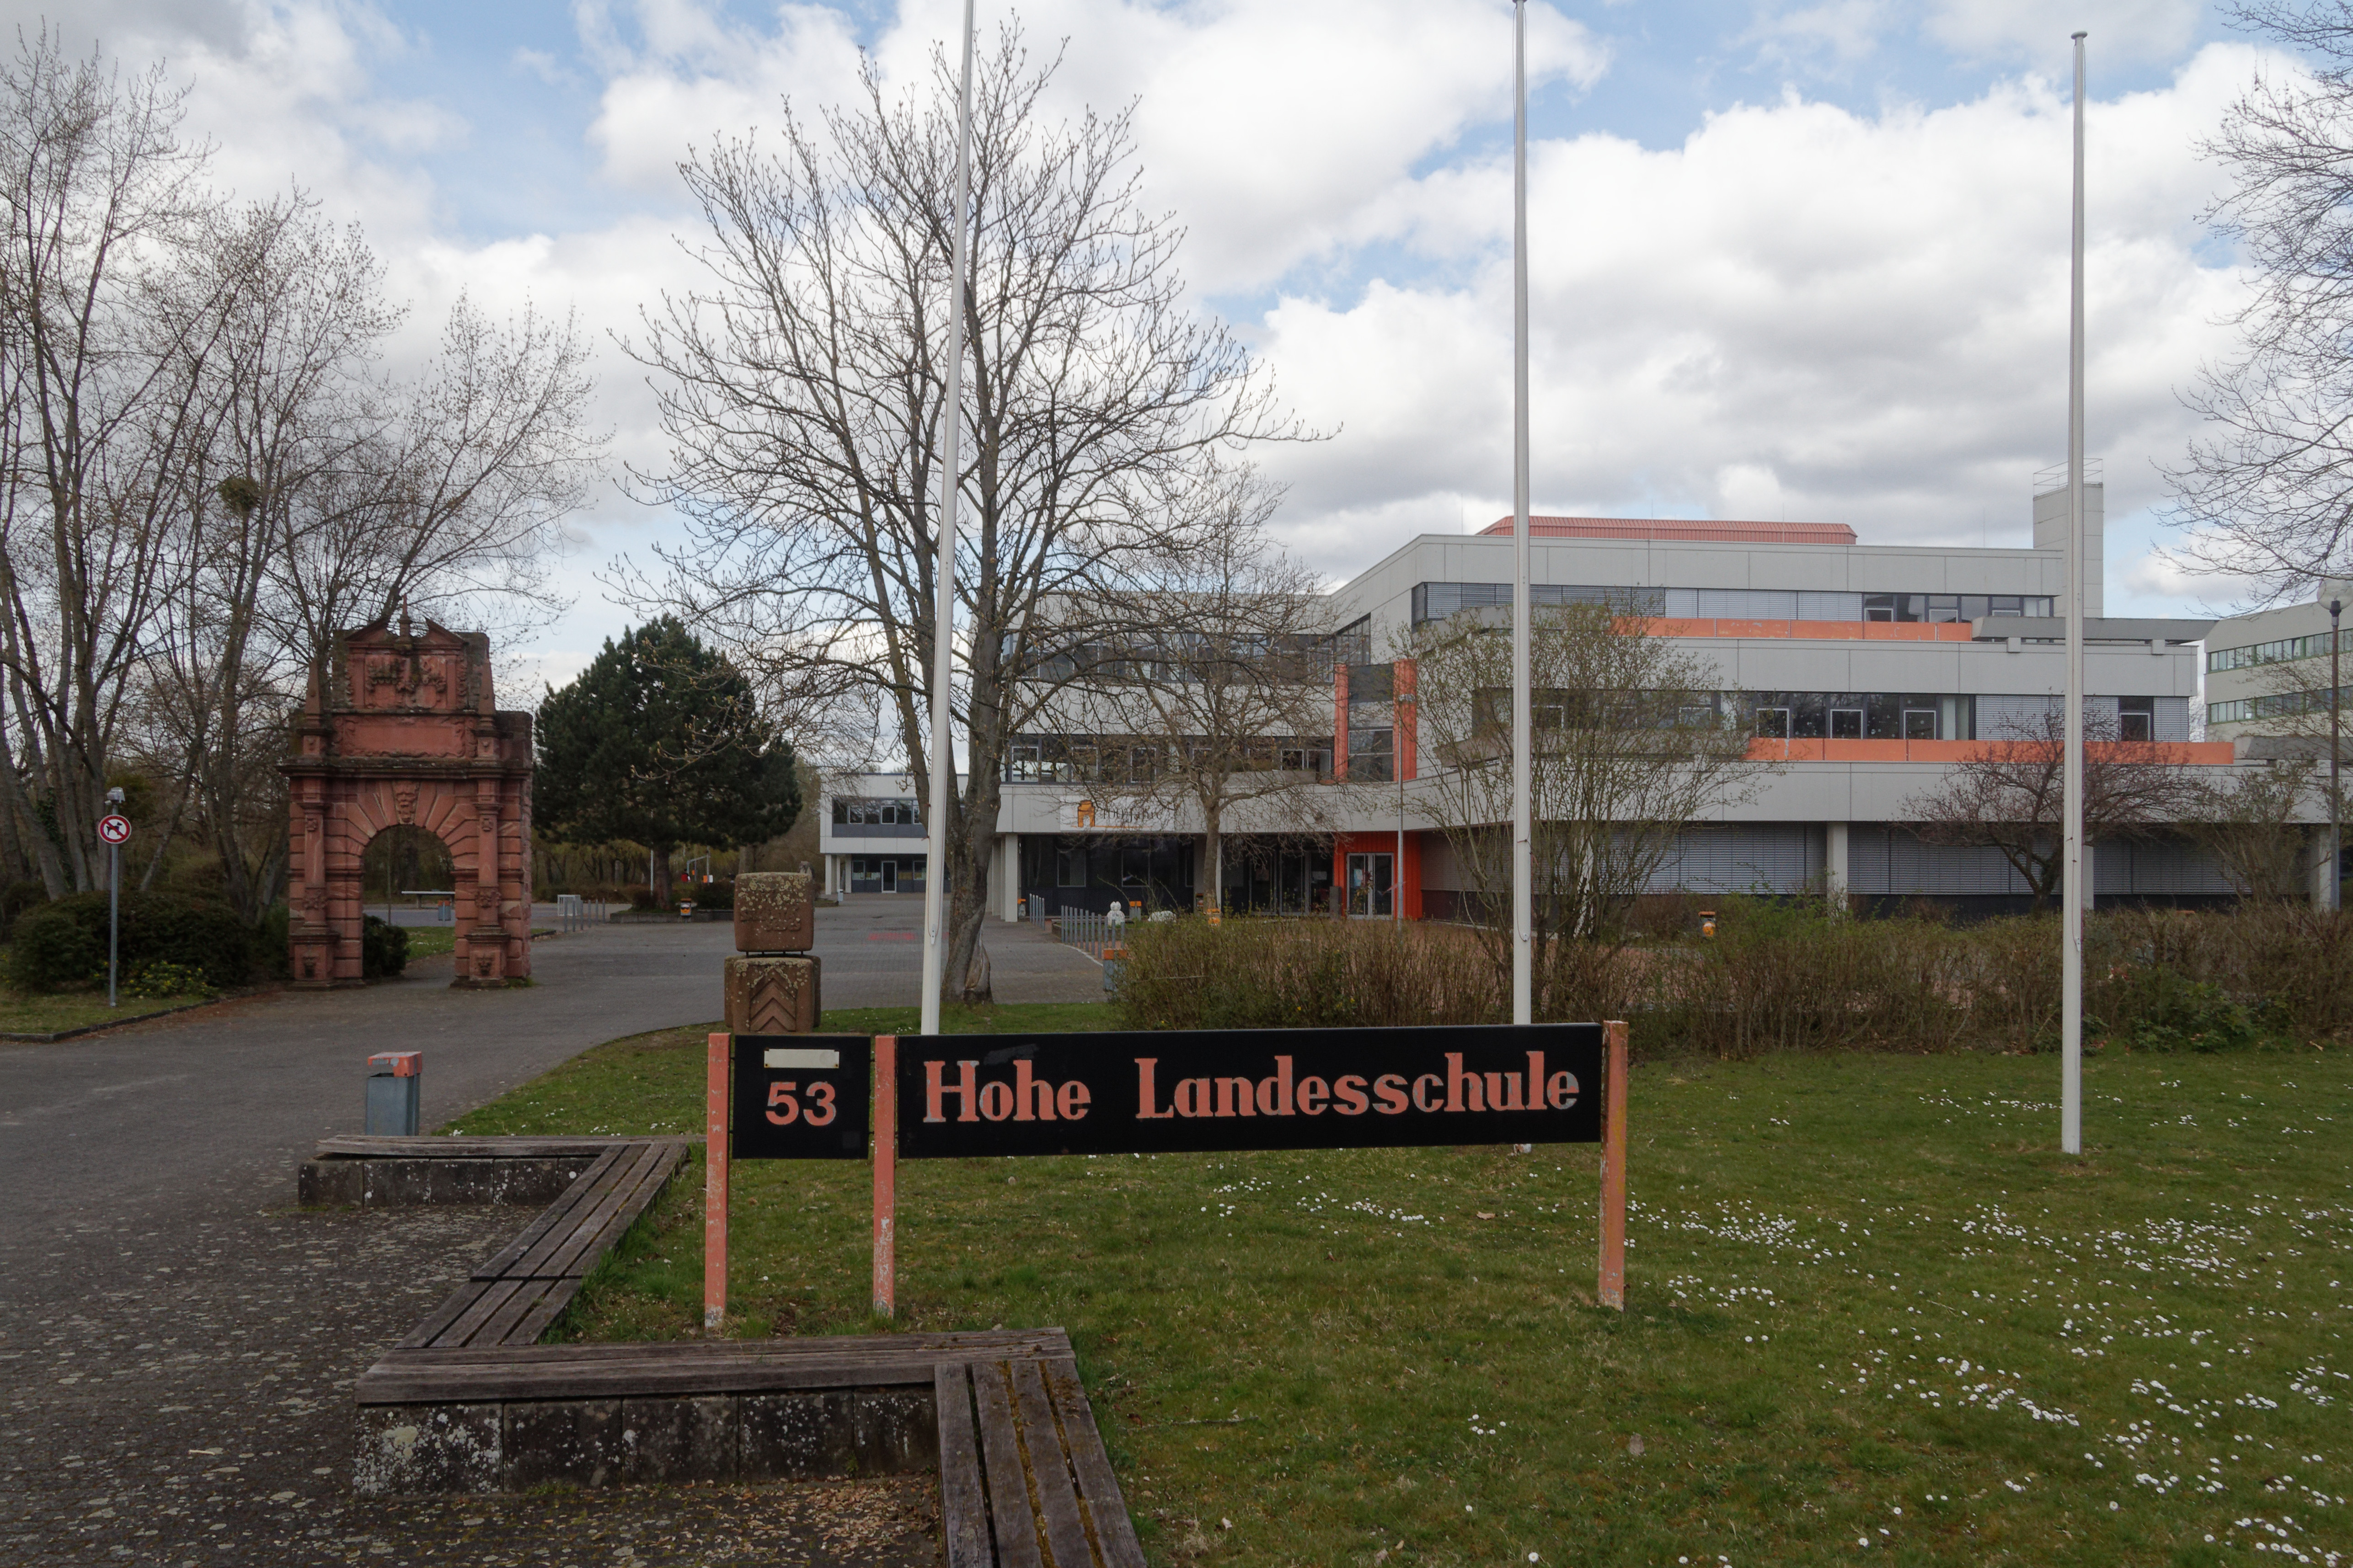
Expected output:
{"points": [[401, 860]]}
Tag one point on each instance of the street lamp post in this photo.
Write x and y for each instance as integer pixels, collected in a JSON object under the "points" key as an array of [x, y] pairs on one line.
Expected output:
{"points": [[2336, 765], [2075, 887], [1523, 612], [936, 833]]}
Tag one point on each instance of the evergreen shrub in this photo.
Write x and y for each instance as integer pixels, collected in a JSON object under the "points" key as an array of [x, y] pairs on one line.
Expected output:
{"points": [[64, 944]]}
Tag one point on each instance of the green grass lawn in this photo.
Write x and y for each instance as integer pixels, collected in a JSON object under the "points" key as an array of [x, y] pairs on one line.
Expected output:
{"points": [[426, 941], [1872, 1313], [35, 1014]]}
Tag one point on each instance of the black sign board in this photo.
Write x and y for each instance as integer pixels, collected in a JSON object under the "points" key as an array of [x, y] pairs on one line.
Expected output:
{"points": [[801, 1097], [1165, 1092]]}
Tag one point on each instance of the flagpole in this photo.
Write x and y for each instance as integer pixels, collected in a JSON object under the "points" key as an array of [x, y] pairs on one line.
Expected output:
{"points": [[1522, 612], [936, 831], [2074, 888]]}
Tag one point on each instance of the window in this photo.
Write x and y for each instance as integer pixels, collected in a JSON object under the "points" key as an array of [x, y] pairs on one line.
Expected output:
{"points": [[1773, 724], [2253, 654], [2135, 726], [1879, 606], [1846, 723], [1070, 865], [1919, 723]]}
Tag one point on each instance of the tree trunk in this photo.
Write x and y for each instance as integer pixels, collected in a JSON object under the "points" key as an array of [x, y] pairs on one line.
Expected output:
{"points": [[968, 911], [665, 886]]}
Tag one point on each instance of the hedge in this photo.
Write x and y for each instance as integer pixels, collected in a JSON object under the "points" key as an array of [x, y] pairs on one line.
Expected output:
{"points": [[64, 943]]}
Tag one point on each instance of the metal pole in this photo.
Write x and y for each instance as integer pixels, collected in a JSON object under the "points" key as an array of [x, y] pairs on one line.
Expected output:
{"points": [[936, 833], [113, 914], [1397, 871], [2336, 754], [2073, 889], [1523, 612]]}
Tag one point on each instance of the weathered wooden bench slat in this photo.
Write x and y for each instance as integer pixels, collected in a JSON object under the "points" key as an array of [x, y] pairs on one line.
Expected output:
{"points": [[540, 1299], [396, 1385], [437, 1321], [1049, 1467], [1114, 1532], [546, 1309], [540, 1258], [988, 1344], [467, 1327], [367, 1146], [1009, 1515], [964, 1504], [602, 1227], [551, 1218]]}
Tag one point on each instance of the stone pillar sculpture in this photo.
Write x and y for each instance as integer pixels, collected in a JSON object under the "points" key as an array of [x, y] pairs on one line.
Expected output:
{"points": [[771, 985]]}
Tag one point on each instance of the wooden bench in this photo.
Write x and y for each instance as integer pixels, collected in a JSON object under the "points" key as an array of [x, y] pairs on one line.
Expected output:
{"points": [[368, 1171], [512, 1298], [470, 1401]]}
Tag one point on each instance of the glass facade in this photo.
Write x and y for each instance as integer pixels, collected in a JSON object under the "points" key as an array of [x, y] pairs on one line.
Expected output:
{"points": [[2247, 657], [1436, 601]]}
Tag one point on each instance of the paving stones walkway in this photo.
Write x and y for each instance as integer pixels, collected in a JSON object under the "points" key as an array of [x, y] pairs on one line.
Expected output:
{"points": [[177, 1342]]}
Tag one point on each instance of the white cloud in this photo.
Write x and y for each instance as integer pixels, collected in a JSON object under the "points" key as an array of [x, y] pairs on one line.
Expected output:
{"points": [[1271, 127], [2036, 30], [1798, 311], [1844, 318]]}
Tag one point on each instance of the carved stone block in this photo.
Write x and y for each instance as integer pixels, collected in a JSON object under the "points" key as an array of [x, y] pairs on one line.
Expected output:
{"points": [[771, 996], [776, 911]]}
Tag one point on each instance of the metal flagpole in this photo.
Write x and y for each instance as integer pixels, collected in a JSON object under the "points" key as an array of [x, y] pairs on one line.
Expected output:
{"points": [[2074, 888], [1523, 612], [936, 831]]}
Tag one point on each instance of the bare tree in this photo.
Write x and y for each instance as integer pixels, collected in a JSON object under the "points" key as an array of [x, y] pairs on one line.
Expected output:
{"points": [[2251, 823], [1631, 747], [102, 201], [1204, 687], [2008, 795], [452, 498], [302, 313], [802, 386], [2267, 496]]}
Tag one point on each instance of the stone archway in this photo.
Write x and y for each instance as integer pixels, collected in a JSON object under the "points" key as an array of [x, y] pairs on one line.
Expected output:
{"points": [[399, 729]]}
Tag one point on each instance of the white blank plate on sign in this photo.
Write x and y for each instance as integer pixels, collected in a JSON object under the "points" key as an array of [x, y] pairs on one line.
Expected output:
{"points": [[808, 1061]]}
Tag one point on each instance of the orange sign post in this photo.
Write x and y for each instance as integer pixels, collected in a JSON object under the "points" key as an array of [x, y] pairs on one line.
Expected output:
{"points": [[714, 1184], [1611, 1289], [886, 1174]]}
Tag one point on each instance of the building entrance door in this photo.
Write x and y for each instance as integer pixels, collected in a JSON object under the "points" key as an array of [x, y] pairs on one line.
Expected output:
{"points": [[1368, 886], [890, 876]]}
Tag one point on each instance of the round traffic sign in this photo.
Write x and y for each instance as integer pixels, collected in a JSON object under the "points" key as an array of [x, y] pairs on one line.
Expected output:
{"points": [[114, 829]]}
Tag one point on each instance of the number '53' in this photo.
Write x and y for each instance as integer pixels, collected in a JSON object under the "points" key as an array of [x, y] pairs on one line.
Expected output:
{"points": [[819, 1110]]}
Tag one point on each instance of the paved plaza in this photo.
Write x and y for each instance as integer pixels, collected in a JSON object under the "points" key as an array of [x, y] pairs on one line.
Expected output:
{"points": [[177, 1342]]}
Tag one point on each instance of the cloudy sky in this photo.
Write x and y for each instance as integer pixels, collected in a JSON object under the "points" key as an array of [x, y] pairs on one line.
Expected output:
{"points": [[1789, 260]]}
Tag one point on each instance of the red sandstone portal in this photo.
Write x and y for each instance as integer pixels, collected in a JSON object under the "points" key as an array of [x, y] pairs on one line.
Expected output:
{"points": [[400, 728]]}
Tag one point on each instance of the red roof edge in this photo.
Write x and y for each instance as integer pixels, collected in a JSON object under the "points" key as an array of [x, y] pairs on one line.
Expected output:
{"points": [[1673, 528]]}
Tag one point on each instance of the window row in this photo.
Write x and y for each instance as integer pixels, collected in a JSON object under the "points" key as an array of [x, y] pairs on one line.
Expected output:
{"points": [[1436, 601], [2253, 654], [850, 811], [1836, 715], [2280, 705], [1091, 759]]}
